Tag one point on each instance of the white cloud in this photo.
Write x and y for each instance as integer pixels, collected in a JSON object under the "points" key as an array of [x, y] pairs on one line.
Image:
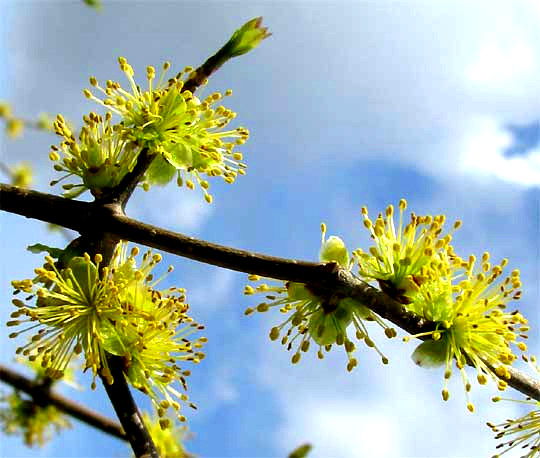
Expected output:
{"points": [[175, 209], [376, 411], [483, 155], [414, 96], [338, 429], [500, 64]]}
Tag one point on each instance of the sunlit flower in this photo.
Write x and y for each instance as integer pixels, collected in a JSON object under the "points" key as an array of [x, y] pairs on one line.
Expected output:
{"points": [[68, 314], [186, 133], [523, 432], [99, 157], [120, 313], [21, 175], [168, 438], [472, 326], [5, 110], [152, 336], [400, 253], [316, 315], [36, 423], [14, 127], [45, 122]]}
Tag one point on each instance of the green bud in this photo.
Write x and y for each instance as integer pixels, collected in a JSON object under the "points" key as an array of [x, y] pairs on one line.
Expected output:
{"points": [[245, 38], [334, 250]]}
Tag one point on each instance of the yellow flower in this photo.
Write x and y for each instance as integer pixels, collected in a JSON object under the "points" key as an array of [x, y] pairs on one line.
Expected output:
{"points": [[14, 127], [524, 432], [472, 326], [119, 313], [21, 175], [186, 133], [71, 306], [167, 438], [100, 157], [316, 315], [152, 337], [36, 423], [400, 253]]}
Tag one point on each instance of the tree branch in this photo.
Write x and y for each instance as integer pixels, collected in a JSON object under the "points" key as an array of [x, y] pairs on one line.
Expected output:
{"points": [[82, 216], [127, 412], [44, 396]]}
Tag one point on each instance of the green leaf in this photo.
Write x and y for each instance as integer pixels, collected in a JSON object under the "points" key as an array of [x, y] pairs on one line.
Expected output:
{"points": [[325, 327], [85, 273], [111, 340], [431, 353], [160, 172], [301, 452], [74, 192], [96, 4], [40, 248], [180, 157]]}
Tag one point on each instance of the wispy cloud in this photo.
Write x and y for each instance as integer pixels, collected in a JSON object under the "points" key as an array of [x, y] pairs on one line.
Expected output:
{"points": [[180, 210], [483, 155]]}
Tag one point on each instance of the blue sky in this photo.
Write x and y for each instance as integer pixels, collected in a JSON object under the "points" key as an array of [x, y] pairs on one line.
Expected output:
{"points": [[348, 104]]}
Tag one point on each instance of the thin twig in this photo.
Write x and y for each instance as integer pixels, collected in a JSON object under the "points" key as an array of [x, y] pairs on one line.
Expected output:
{"points": [[83, 216], [124, 405], [44, 396], [121, 193]]}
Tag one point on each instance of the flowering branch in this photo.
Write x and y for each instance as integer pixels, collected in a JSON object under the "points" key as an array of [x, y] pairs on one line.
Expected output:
{"points": [[43, 396], [87, 218]]}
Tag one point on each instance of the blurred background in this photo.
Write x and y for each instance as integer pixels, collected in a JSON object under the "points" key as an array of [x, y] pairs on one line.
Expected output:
{"points": [[348, 104]]}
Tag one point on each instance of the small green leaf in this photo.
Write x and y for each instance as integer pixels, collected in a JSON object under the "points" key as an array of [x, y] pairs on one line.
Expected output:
{"points": [[301, 452], [111, 340], [181, 157], [40, 248], [160, 172], [96, 4], [325, 327], [431, 353], [85, 273]]}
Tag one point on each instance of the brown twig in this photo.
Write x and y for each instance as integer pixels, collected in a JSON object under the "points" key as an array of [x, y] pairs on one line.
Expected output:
{"points": [[44, 396], [124, 405], [81, 216]]}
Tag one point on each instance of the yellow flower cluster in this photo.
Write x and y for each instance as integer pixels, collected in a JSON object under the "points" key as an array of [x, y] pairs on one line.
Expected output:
{"points": [[167, 437], [417, 266], [83, 309], [36, 423], [316, 315], [523, 432], [186, 134], [99, 157]]}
